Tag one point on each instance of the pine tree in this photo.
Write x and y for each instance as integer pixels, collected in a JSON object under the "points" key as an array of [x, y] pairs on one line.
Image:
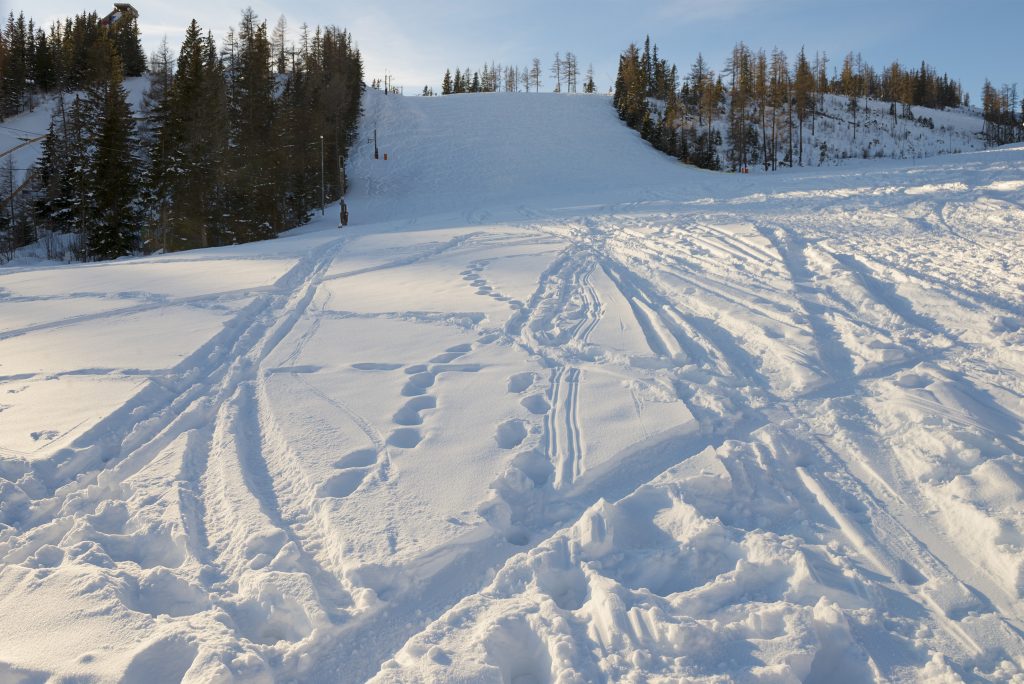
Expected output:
{"points": [[742, 135], [849, 82], [280, 52], [155, 119], [535, 74], [589, 86], [556, 72], [4, 58], [803, 90], [446, 83], [698, 81], [115, 169], [43, 70], [647, 68], [125, 36], [571, 72], [62, 181], [630, 90], [251, 109], [15, 73], [761, 93], [193, 148]]}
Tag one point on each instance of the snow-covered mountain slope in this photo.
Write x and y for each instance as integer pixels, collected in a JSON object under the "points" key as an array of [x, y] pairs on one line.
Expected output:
{"points": [[552, 408], [873, 134], [835, 137], [23, 133]]}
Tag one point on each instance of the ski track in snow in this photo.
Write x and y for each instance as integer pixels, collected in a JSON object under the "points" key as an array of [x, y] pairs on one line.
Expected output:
{"points": [[571, 421]]}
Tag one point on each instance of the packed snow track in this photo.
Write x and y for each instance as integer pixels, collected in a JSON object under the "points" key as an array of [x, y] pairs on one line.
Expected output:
{"points": [[552, 408]]}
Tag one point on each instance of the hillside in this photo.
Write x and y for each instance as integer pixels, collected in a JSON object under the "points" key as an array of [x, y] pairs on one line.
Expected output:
{"points": [[834, 140], [29, 126], [552, 408]]}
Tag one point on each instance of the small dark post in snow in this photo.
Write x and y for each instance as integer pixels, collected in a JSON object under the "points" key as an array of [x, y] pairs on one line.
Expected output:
{"points": [[321, 175]]}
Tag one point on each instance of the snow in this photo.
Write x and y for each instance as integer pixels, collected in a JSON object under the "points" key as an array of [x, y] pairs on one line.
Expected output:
{"points": [[835, 138], [29, 125], [552, 408]]}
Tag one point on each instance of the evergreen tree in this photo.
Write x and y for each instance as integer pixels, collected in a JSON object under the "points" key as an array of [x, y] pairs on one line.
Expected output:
{"points": [[193, 146], [4, 58], [15, 74], [64, 179], [125, 36], [280, 51], [647, 68], [446, 83], [630, 89], [43, 67], [156, 116], [742, 134], [803, 90], [780, 103], [850, 84], [251, 114], [115, 169], [589, 86], [699, 81]]}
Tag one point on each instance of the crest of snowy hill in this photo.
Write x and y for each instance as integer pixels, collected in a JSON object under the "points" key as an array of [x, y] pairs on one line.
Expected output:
{"points": [[480, 152], [552, 408]]}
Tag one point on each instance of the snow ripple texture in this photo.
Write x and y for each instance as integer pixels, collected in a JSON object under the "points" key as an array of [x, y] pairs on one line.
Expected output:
{"points": [[553, 408]]}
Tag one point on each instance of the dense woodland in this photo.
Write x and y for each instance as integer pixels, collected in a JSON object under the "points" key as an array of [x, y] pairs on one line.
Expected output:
{"points": [[72, 55], [227, 148], [765, 101]]}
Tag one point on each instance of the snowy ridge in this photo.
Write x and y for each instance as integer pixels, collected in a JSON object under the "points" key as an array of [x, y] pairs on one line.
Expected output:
{"points": [[585, 417]]}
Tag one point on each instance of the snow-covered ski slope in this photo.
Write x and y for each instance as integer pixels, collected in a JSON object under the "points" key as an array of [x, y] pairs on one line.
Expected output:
{"points": [[25, 132], [552, 408]]}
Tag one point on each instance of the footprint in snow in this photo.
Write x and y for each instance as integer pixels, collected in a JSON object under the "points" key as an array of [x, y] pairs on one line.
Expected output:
{"points": [[410, 413], [520, 382], [405, 438], [510, 434]]}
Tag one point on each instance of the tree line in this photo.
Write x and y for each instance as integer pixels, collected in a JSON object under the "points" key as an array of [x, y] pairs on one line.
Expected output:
{"points": [[492, 78], [1003, 123], [227, 147], [765, 101], [70, 56]]}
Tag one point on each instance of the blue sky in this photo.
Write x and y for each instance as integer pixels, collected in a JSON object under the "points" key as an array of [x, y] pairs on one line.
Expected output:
{"points": [[414, 41]]}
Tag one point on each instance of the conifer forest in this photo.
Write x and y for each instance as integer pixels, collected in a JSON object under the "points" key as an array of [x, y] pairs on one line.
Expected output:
{"points": [[229, 146]]}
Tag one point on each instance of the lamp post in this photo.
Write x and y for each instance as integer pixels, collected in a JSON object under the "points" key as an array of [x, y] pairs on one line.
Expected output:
{"points": [[321, 175]]}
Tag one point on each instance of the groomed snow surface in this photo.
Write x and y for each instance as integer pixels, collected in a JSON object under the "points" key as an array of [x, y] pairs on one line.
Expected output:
{"points": [[553, 408]]}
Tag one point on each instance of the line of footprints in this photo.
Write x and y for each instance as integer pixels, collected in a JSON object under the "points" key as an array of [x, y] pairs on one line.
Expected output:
{"points": [[407, 420], [355, 467], [473, 276], [421, 379]]}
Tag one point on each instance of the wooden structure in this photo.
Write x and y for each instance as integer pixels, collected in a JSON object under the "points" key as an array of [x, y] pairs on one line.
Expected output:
{"points": [[121, 10]]}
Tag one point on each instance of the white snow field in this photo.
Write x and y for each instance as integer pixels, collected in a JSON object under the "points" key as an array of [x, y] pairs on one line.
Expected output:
{"points": [[553, 408]]}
